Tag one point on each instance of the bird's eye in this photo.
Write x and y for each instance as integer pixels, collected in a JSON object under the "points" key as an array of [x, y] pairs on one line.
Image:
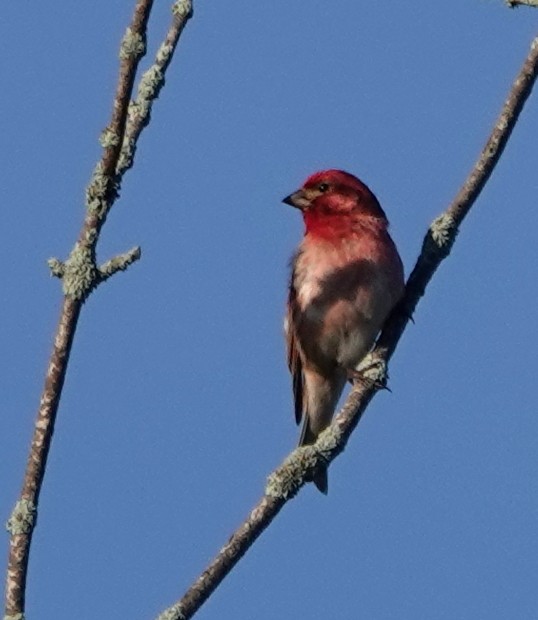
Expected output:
{"points": [[323, 187]]}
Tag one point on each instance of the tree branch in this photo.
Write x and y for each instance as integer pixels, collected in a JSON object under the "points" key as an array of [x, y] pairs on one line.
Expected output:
{"points": [[119, 263], [514, 3], [150, 85], [286, 481], [102, 191], [80, 275]]}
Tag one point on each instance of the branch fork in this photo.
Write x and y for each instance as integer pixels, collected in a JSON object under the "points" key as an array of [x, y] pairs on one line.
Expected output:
{"points": [[81, 275]]}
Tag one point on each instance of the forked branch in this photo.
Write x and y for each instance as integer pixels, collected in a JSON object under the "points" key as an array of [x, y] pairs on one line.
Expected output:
{"points": [[80, 275]]}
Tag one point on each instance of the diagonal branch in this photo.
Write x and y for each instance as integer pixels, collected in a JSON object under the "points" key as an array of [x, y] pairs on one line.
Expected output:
{"points": [[287, 480], [80, 275]]}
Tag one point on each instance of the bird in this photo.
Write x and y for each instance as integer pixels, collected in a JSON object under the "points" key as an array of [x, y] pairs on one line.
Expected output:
{"points": [[346, 277]]}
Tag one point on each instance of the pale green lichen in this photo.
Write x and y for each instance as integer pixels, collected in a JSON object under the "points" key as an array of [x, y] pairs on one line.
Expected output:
{"points": [[119, 263], [90, 236], [150, 84], [132, 112], [299, 466], [144, 110], [328, 441], [22, 519], [443, 231], [132, 45], [172, 613], [182, 8], [19, 616], [125, 160], [138, 115], [108, 138], [139, 111], [80, 273], [373, 369], [96, 192], [286, 481], [163, 53], [56, 267]]}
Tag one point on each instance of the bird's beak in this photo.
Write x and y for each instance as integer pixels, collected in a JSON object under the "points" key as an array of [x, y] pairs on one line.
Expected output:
{"points": [[297, 200]]}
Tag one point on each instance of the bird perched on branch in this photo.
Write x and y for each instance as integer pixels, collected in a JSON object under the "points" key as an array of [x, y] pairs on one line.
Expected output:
{"points": [[346, 277]]}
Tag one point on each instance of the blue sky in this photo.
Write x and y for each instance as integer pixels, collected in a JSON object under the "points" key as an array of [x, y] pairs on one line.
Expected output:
{"points": [[177, 403]]}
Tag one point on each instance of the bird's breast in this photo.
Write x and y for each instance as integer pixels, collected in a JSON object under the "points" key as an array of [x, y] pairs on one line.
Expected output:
{"points": [[343, 293]]}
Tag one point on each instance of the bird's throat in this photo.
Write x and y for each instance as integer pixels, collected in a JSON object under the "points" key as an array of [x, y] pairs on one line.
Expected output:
{"points": [[334, 226]]}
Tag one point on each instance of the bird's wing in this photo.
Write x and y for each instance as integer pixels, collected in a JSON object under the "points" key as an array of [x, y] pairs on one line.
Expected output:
{"points": [[294, 358]]}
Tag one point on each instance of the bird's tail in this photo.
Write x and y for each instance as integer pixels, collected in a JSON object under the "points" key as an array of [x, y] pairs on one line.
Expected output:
{"points": [[320, 477], [321, 394]]}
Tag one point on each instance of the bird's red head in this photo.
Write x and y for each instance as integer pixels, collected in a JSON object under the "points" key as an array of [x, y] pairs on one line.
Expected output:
{"points": [[331, 198]]}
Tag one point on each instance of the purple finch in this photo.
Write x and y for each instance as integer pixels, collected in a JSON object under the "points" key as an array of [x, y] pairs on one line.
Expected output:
{"points": [[346, 277]]}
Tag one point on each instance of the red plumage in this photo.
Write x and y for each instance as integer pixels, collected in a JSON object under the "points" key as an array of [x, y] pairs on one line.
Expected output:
{"points": [[346, 277]]}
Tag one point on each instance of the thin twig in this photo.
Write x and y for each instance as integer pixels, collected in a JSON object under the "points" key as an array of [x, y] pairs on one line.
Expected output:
{"points": [[286, 481], [103, 190], [515, 3], [150, 85], [80, 275]]}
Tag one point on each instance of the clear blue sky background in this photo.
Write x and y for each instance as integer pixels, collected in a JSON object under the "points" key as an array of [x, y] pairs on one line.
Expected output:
{"points": [[177, 402]]}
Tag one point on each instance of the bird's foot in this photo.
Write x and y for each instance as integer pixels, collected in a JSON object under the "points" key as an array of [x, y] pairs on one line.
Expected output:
{"points": [[371, 372]]}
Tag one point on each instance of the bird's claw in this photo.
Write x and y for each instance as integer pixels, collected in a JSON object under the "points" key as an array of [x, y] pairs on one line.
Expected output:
{"points": [[371, 375]]}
